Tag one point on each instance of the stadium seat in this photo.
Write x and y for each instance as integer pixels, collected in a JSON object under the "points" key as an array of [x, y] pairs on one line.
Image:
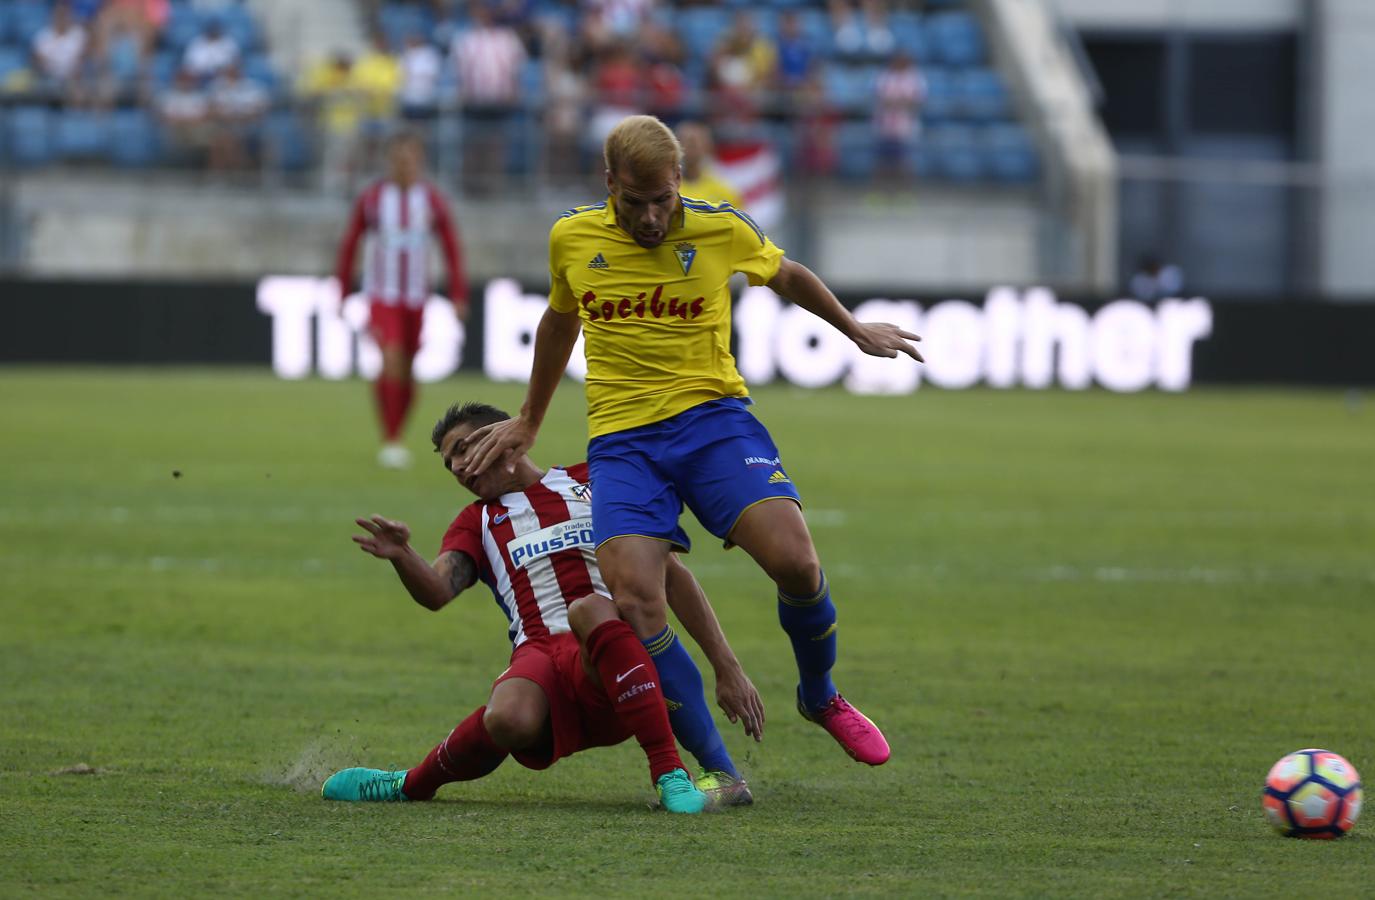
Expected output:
{"points": [[133, 138], [12, 60], [857, 153], [910, 34], [981, 95], [29, 135], [1009, 153], [81, 134], [941, 100], [183, 24], [956, 153], [399, 21], [26, 19], [286, 144], [163, 67], [701, 26], [258, 68], [956, 39], [239, 24]]}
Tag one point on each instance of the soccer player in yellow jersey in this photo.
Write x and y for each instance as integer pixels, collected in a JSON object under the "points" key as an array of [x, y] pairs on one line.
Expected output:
{"points": [[644, 275]]}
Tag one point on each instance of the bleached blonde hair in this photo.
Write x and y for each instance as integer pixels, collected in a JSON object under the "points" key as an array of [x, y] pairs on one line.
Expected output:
{"points": [[642, 145]]}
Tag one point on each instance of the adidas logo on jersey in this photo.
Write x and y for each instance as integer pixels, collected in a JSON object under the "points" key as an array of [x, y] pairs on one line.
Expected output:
{"points": [[599, 262], [779, 478]]}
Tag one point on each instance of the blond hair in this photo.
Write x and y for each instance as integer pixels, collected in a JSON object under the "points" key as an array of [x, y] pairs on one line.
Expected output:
{"points": [[642, 145]]}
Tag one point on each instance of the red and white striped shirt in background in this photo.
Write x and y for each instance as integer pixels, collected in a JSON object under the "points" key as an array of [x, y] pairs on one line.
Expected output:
{"points": [[396, 264], [535, 551], [489, 61]]}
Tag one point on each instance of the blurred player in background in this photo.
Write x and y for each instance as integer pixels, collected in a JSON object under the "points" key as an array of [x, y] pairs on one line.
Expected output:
{"points": [[646, 273], [701, 181], [399, 213], [529, 539]]}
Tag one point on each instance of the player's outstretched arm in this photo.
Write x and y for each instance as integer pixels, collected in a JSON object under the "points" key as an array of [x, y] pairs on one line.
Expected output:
{"points": [[432, 586], [735, 693], [505, 442], [801, 285]]}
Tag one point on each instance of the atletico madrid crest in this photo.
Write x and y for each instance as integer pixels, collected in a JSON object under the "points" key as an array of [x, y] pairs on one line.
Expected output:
{"points": [[686, 254]]}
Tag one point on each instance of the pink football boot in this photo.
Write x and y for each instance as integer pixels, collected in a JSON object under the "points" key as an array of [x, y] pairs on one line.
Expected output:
{"points": [[851, 729]]}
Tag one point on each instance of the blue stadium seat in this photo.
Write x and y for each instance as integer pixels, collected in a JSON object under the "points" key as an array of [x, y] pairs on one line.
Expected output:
{"points": [[183, 24], [956, 153], [164, 67], [941, 99], [258, 67], [285, 142], [12, 60], [956, 39], [851, 88], [29, 135], [1009, 153], [982, 95], [81, 134], [6, 14], [399, 21], [239, 24], [133, 138], [910, 34], [701, 26], [856, 149], [26, 19]]}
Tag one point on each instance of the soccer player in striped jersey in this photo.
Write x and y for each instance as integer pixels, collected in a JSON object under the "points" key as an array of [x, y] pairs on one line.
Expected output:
{"points": [[400, 212], [645, 276], [579, 677]]}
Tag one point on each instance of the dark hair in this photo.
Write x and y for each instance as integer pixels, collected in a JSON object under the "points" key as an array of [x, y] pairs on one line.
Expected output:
{"points": [[475, 414]]}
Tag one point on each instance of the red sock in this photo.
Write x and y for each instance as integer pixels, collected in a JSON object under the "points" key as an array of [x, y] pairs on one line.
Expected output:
{"points": [[390, 406], [466, 754], [405, 398], [631, 681]]}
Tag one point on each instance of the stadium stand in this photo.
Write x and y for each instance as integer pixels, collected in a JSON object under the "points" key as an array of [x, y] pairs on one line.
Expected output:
{"points": [[967, 123]]}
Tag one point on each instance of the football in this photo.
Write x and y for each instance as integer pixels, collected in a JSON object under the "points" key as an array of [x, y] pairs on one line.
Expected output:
{"points": [[1312, 794]]}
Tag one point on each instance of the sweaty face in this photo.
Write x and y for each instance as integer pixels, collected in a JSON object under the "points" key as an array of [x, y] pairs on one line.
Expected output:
{"points": [[645, 205]]}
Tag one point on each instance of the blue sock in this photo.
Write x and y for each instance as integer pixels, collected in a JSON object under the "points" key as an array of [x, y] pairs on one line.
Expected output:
{"points": [[688, 712], [811, 626]]}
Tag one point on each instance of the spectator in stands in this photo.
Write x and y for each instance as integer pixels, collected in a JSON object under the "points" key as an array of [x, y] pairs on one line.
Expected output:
{"points": [[862, 34], [816, 127], [565, 96], [742, 66], [1156, 279], [665, 84], [608, 22], [57, 52], [211, 52], [617, 82], [421, 66], [376, 77], [899, 93], [184, 111], [796, 54], [237, 107], [489, 58], [700, 179], [339, 113], [120, 55]]}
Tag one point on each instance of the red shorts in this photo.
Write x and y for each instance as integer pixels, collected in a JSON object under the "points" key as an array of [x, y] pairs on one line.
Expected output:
{"points": [[394, 324], [579, 710]]}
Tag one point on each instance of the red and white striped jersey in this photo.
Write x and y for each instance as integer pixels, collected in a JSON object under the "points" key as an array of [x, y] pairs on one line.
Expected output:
{"points": [[534, 550], [396, 262]]}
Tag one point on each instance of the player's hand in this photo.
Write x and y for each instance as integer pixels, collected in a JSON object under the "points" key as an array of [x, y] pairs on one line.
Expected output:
{"points": [[739, 700], [501, 443], [385, 539], [883, 339]]}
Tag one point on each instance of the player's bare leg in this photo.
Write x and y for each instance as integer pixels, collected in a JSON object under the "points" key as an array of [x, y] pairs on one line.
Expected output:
{"points": [[614, 657], [634, 569], [395, 390], [775, 534], [516, 717]]}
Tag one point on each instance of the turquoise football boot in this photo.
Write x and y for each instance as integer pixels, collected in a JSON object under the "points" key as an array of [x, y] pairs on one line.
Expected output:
{"points": [[677, 793], [365, 785]]}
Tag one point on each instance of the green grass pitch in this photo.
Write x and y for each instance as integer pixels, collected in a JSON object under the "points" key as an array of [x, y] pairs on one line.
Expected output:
{"points": [[1088, 624]]}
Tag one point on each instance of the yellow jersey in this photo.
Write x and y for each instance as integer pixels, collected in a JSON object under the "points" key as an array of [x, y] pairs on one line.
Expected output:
{"points": [[656, 322]]}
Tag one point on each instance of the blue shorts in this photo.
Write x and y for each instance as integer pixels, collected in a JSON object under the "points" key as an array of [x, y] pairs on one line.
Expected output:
{"points": [[715, 457]]}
